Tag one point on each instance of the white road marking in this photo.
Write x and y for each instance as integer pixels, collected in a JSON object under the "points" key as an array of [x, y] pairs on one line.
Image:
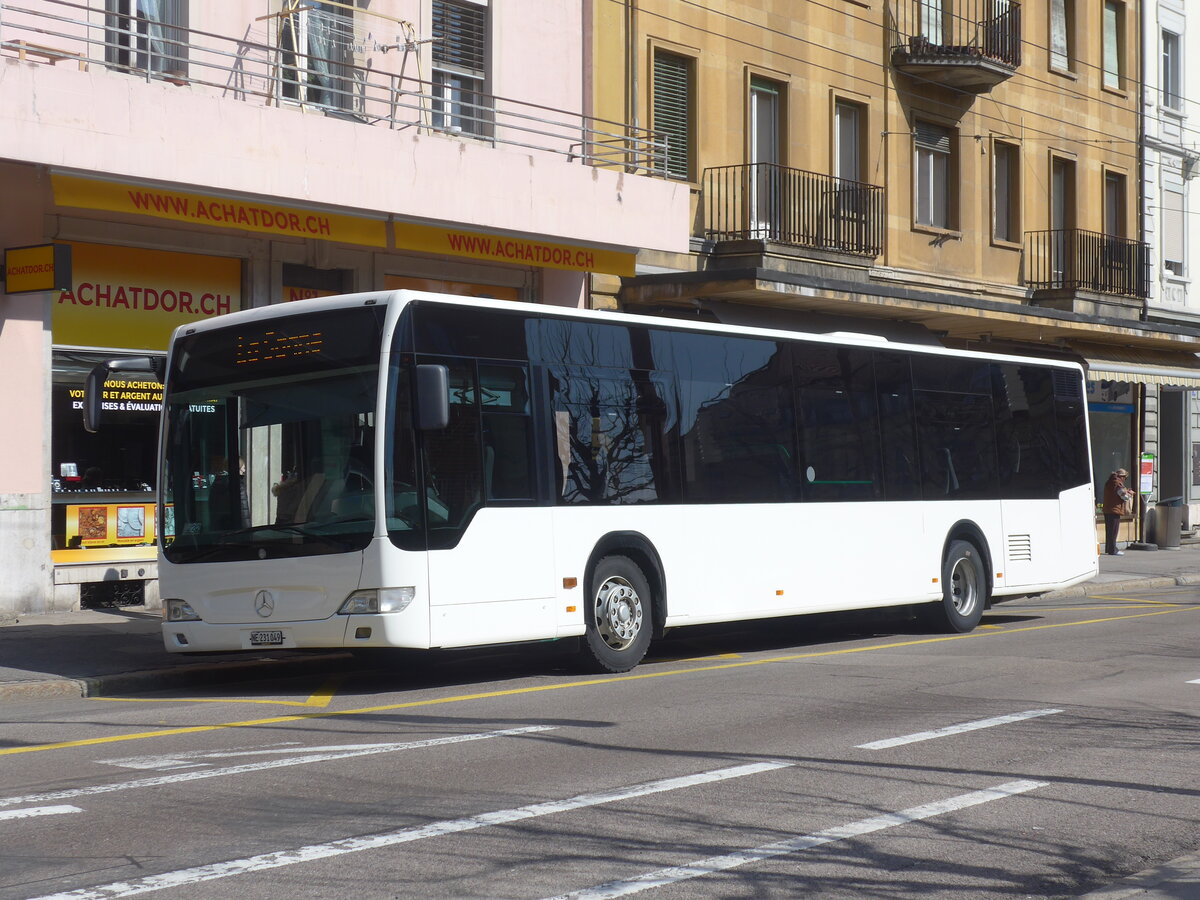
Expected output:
{"points": [[38, 811], [957, 729], [187, 759], [1197, 681], [312, 852], [319, 755], [862, 827]]}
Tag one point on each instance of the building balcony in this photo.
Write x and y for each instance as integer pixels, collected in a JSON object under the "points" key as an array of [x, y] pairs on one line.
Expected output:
{"points": [[346, 123], [1087, 272], [970, 45], [803, 214]]}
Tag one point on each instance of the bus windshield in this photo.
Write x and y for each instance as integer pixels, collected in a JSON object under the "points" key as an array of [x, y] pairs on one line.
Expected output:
{"points": [[269, 441]]}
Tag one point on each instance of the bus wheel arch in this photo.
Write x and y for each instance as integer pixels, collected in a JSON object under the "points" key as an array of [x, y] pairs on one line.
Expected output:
{"points": [[624, 577]]}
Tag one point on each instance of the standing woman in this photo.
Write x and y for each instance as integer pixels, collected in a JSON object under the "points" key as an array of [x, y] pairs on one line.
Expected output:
{"points": [[1116, 498]]}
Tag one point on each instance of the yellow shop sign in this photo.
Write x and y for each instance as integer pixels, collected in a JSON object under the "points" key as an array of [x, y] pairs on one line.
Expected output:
{"points": [[222, 212], [515, 250], [130, 298], [46, 267]]}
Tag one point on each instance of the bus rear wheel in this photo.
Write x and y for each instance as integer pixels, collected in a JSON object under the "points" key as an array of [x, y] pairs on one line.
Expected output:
{"points": [[964, 590], [618, 615]]}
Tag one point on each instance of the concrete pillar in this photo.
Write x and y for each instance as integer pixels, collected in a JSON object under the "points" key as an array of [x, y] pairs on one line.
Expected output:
{"points": [[26, 572]]}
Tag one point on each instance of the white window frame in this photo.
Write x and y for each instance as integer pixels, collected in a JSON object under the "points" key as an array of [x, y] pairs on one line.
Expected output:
{"points": [[1171, 89], [462, 104], [933, 165], [1006, 191], [1113, 45]]}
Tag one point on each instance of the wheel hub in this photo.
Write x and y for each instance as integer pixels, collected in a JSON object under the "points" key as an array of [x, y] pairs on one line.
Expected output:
{"points": [[618, 613]]}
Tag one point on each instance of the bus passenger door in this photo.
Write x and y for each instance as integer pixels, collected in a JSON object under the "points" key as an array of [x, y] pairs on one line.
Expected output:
{"points": [[491, 550]]}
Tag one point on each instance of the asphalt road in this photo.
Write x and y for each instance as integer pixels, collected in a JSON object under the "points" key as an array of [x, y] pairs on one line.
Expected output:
{"points": [[1052, 751]]}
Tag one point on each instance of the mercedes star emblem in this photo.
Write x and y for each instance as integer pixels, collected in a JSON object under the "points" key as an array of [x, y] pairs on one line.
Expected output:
{"points": [[264, 603]]}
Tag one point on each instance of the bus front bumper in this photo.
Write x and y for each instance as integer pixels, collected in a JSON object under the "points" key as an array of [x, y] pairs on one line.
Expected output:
{"points": [[336, 632]]}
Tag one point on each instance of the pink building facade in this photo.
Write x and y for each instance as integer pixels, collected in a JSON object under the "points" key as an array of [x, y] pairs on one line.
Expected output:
{"points": [[203, 157]]}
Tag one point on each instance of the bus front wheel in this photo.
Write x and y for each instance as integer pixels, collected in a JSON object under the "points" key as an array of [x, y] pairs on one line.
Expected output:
{"points": [[964, 589], [618, 616]]}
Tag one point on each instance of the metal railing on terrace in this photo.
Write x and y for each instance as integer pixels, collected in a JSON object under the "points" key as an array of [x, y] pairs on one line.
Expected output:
{"points": [[1073, 259], [989, 29], [286, 61], [769, 202]]}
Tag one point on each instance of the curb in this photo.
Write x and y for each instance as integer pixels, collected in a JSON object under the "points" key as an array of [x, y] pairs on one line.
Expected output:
{"points": [[1132, 584], [1178, 878], [163, 679]]}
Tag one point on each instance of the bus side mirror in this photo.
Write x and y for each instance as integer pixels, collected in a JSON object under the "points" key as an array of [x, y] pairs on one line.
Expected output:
{"points": [[433, 397], [93, 385], [93, 393]]}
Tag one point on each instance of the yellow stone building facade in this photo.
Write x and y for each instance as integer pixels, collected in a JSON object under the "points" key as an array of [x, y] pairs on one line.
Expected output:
{"points": [[961, 171]]}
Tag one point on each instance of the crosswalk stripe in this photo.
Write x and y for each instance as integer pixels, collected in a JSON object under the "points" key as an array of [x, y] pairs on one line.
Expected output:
{"points": [[727, 861], [312, 852]]}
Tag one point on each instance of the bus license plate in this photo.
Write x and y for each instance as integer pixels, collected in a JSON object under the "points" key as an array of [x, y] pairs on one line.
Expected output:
{"points": [[265, 638]]}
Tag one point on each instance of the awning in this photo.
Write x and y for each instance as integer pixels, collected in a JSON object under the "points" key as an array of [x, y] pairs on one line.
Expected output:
{"points": [[1179, 369]]}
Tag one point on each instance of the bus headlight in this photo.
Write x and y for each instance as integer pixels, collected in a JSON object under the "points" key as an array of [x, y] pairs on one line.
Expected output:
{"points": [[180, 611], [384, 600]]}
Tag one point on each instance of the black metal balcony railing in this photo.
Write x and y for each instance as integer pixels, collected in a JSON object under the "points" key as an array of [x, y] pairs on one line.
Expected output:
{"points": [[769, 202], [1072, 259], [946, 29]]}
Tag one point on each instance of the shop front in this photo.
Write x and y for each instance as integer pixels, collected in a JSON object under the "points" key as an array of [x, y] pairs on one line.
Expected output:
{"points": [[123, 301], [1140, 412]]}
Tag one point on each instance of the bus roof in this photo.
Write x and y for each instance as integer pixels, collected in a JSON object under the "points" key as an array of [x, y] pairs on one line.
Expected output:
{"points": [[403, 297]]}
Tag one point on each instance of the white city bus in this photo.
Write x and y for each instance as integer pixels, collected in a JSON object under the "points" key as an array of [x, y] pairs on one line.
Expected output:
{"points": [[403, 469]]}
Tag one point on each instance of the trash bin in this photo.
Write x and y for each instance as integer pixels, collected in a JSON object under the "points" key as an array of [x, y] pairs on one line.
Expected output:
{"points": [[1168, 523]]}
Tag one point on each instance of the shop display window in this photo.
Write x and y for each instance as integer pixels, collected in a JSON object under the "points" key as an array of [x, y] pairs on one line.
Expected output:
{"points": [[103, 484]]}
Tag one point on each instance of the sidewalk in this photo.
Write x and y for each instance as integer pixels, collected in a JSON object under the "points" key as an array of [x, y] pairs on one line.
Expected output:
{"points": [[96, 652], [112, 651]]}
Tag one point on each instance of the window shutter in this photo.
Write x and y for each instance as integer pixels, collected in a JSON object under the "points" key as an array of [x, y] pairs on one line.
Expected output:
{"points": [[1172, 226], [460, 36], [672, 113], [932, 137]]}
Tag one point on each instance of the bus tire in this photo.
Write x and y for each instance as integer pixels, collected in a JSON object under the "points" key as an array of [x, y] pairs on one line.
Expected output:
{"points": [[964, 590], [619, 616]]}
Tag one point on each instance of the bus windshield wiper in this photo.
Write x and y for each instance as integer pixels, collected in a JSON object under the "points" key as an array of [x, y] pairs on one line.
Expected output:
{"points": [[225, 542]]}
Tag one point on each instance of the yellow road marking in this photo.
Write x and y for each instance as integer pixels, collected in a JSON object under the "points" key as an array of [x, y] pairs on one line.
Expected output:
{"points": [[320, 699], [1033, 609], [535, 689], [1134, 599]]}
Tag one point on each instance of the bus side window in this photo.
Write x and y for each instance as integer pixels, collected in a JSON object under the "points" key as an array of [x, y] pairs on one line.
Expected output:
{"points": [[897, 426], [507, 432], [452, 455]]}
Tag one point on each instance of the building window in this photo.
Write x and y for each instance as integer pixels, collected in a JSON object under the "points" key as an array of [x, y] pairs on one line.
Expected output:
{"points": [[1172, 72], [1062, 14], [933, 16], [316, 41], [1114, 42], [1173, 224], [103, 483], [1006, 192], [460, 67], [932, 167], [147, 36], [1114, 204], [766, 158], [673, 101], [848, 121]]}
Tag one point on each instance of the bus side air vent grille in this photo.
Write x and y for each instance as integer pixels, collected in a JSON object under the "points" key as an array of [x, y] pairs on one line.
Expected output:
{"points": [[1020, 548]]}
